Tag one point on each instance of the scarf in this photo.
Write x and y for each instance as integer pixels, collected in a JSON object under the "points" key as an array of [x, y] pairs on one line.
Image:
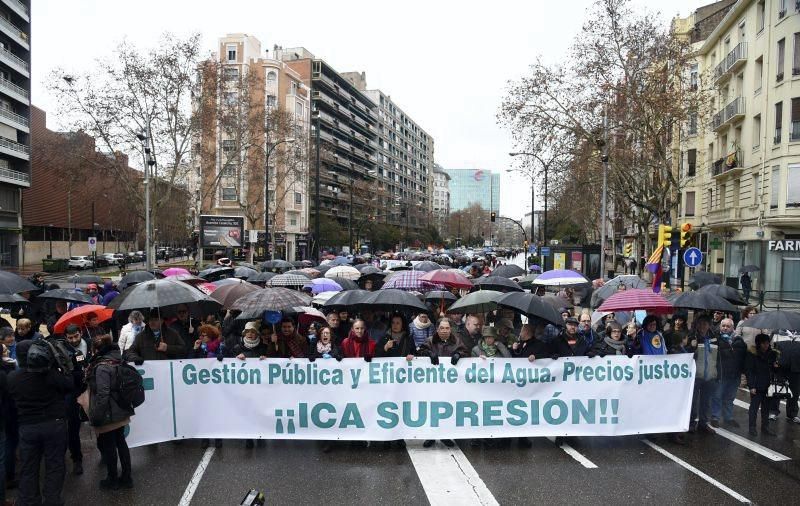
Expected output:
{"points": [[212, 346], [489, 351], [323, 348], [421, 326], [617, 345], [251, 343], [726, 337]]}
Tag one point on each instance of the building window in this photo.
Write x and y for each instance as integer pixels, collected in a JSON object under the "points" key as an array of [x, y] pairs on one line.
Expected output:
{"points": [[781, 9], [271, 77], [229, 194], [793, 185], [299, 110], [229, 169], [294, 88], [693, 77], [760, 16], [689, 204], [271, 100], [780, 61], [796, 55], [778, 122], [759, 74], [693, 123], [756, 131], [794, 133], [230, 73], [691, 158], [293, 222], [775, 187], [298, 198], [756, 189], [231, 97], [722, 195], [228, 145], [231, 52]]}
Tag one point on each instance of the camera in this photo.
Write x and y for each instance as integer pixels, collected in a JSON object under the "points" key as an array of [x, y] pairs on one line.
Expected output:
{"points": [[253, 498]]}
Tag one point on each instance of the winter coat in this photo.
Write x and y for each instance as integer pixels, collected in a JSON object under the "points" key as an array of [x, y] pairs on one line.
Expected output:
{"points": [[3, 398], [211, 351], [601, 348], [748, 333], [469, 340], [295, 346], [182, 329], [352, 347], [790, 354], [502, 351], [731, 357], [261, 350], [533, 346], [144, 346], [759, 367], [418, 335], [707, 370], [104, 405], [561, 348], [435, 346], [32, 335], [39, 396], [127, 336], [313, 354], [406, 346]]}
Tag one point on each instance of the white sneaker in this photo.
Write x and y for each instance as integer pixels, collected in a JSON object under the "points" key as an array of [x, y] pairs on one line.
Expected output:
{"points": [[773, 416]]}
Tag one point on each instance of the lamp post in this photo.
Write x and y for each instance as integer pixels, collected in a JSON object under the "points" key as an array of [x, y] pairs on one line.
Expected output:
{"points": [[50, 236], [268, 151], [544, 230], [149, 161]]}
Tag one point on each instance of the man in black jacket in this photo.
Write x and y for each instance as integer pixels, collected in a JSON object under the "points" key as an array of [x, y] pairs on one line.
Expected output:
{"points": [[39, 395], [156, 342], [80, 356], [760, 364], [3, 396]]}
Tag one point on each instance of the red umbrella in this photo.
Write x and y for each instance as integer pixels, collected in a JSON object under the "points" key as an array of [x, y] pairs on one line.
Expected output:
{"points": [[79, 317], [446, 278], [637, 299]]}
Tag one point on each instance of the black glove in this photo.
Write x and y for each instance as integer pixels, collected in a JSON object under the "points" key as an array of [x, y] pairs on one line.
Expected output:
{"points": [[138, 362], [311, 358], [338, 357], [434, 359], [367, 358], [454, 358], [554, 357]]}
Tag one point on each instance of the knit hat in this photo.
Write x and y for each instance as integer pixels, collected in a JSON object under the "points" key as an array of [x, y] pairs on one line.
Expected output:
{"points": [[251, 326], [489, 331]]}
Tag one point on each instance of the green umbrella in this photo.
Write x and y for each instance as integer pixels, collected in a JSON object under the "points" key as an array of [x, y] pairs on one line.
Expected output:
{"points": [[527, 281], [481, 301]]}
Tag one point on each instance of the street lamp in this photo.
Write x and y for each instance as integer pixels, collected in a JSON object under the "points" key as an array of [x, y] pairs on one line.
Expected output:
{"points": [[536, 157], [50, 236], [268, 151]]}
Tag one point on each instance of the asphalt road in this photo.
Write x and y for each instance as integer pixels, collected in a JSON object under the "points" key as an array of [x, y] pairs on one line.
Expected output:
{"points": [[712, 469]]}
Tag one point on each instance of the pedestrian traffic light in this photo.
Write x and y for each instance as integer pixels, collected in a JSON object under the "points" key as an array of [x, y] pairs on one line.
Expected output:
{"points": [[628, 250], [664, 235], [686, 234], [494, 216]]}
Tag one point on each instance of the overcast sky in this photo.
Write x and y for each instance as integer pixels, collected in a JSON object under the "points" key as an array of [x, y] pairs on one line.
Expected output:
{"points": [[445, 63]]}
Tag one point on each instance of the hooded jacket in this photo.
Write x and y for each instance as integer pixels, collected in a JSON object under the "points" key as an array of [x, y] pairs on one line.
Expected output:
{"points": [[104, 406], [39, 396]]}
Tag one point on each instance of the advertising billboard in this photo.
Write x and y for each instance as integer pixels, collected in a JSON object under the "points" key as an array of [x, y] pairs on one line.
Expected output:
{"points": [[221, 231]]}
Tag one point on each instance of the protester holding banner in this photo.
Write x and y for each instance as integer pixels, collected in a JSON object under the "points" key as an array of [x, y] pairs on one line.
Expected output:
{"points": [[358, 343], [339, 334], [396, 342], [677, 330], [704, 341], [530, 345], [471, 333], [731, 355], [489, 346], [207, 345], [156, 342], [324, 347], [611, 344], [569, 343], [648, 340], [250, 345], [421, 329], [287, 343]]}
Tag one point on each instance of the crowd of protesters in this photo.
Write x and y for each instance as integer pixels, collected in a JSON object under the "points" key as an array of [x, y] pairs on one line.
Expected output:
{"points": [[43, 410]]}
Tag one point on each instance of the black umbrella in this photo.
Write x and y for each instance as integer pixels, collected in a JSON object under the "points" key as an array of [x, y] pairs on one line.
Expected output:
{"points": [[84, 279], [438, 296], [704, 278], [370, 271], [426, 266], [276, 265], [392, 300], [247, 264], [13, 298], [705, 301], [298, 263], [775, 320], [322, 269], [215, 273], [496, 283], [158, 273], [164, 294], [346, 284], [66, 294], [299, 273], [134, 277], [255, 303], [346, 299], [261, 277], [726, 292], [481, 301], [531, 306], [243, 272], [509, 271], [749, 268], [13, 283]]}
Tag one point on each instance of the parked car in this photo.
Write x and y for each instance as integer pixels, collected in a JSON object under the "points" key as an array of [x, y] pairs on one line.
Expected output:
{"points": [[80, 262], [100, 260]]}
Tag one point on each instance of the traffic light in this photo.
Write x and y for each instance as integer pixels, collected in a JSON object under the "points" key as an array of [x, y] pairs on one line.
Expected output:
{"points": [[686, 234], [525, 243], [628, 250], [664, 235], [494, 216]]}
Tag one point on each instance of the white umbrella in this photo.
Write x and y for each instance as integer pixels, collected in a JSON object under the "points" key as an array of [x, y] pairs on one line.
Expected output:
{"points": [[322, 298], [343, 271]]}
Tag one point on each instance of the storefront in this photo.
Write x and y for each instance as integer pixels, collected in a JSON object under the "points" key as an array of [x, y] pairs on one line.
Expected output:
{"points": [[778, 261]]}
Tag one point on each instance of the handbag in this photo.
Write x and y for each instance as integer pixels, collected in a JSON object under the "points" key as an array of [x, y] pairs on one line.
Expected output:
{"points": [[83, 401]]}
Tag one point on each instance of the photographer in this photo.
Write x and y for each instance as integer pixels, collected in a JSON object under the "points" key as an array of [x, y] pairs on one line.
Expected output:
{"points": [[80, 356], [38, 388]]}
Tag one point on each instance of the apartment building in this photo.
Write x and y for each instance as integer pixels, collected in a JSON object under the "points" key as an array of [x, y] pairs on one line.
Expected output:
{"points": [[743, 165], [441, 199], [256, 114], [405, 167], [15, 101], [345, 123]]}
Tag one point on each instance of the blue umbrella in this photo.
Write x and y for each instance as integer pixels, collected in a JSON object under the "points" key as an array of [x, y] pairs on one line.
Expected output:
{"points": [[323, 285], [341, 261]]}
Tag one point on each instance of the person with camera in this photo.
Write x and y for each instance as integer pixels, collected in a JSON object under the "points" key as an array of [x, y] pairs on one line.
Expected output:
{"points": [[38, 388], [80, 356], [108, 413]]}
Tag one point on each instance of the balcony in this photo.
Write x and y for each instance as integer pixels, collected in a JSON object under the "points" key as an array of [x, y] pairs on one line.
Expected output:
{"points": [[731, 113], [15, 120], [732, 62], [16, 33], [731, 165], [14, 177], [727, 215], [15, 149], [20, 8], [15, 62]]}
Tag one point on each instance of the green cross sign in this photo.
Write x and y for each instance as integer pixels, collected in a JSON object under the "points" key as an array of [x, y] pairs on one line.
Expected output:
{"points": [[715, 244]]}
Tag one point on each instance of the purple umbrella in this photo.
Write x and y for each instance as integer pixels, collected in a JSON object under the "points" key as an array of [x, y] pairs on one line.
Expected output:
{"points": [[323, 285], [560, 277], [410, 280]]}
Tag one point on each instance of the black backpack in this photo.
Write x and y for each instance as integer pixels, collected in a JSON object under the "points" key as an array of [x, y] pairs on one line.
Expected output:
{"points": [[45, 353], [129, 387]]}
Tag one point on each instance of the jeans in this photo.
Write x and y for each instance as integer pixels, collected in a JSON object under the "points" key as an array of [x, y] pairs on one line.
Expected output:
{"points": [[2, 466], [12, 441], [722, 401], [759, 400], [49, 440], [112, 444], [74, 429], [701, 401]]}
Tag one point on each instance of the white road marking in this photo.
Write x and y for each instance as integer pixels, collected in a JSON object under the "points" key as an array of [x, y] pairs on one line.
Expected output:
{"points": [[198, 475], [575, 454], [739, 497], [748, 391], [752, 446], [447, 476]]}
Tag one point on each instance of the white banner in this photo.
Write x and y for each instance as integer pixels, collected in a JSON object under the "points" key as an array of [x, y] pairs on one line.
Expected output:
{"points": [[394, 399]]}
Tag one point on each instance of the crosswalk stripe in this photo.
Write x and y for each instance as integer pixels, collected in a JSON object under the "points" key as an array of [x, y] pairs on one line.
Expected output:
{"points": [[575, 454], [191, 488], [752, 446], [447, 476], [739, 497]]}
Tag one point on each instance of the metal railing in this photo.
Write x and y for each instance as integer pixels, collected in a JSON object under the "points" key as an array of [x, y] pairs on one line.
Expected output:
{"points": [[15, 175], [22, 120], [14, 28], [735, 108], [21, 6], [737, 54], [15, 146], [16, 59]]}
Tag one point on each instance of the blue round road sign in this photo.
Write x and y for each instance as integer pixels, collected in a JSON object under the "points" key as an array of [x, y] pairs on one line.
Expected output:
{"points": [[692, 257]]}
